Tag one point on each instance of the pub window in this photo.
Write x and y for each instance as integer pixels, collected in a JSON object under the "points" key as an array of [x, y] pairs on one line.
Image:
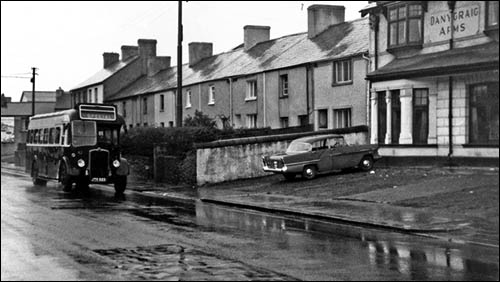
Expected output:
{"points": [[395, 116], [405, 25], [420, 116], [341, 118], [491, 14], [251, 90], [483, 114], [342, 71], [323, 118], [283, 85]]}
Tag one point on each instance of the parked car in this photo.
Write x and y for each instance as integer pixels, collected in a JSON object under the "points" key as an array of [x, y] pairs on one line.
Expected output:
{"points": [[310, 156]]}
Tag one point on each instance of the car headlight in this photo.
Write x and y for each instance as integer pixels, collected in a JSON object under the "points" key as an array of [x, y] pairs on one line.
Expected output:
{"points": [[81, 163], [116, 163]]}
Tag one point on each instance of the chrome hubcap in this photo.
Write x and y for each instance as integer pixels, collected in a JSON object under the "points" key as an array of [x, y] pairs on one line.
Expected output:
{"points": [[366, 163], [309, 172]]}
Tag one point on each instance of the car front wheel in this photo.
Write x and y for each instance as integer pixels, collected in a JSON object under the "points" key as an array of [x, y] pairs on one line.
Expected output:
{"points": [[309, 172], [366, 163]]}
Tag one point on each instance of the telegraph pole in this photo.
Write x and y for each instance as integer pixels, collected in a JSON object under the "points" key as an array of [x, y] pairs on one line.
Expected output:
{"points": [[179, 68], [33, 93]]}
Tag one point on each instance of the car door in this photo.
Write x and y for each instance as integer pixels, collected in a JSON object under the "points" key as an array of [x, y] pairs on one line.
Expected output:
{"points": [[340, 156], [322, 154]]}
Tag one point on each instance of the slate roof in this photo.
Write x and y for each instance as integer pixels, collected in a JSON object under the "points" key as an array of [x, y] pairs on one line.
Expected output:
{"points": [[40, 96], [338, 41], [105, 73], [456, 60]]}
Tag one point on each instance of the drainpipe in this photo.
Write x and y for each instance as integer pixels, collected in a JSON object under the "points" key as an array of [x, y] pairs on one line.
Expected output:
{"points": [[368, 89], [231, 99], [264, 97], [451, 5], [308, 68]]}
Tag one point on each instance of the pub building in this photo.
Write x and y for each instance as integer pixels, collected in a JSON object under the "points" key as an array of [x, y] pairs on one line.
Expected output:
{"points": [[434, 79]]}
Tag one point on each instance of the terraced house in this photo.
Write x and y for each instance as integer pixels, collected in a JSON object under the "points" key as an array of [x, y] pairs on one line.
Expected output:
{"points": [[314, 78], [434, 78]]}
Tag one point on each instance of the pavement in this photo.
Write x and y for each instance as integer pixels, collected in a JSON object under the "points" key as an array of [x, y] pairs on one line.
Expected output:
{"points": [[371, 209]]}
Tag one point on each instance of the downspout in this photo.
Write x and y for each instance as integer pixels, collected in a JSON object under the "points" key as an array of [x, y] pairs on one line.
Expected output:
{"points": [[368, 89], [231, 100], [451, 5], [308, 67], [264, 97]]}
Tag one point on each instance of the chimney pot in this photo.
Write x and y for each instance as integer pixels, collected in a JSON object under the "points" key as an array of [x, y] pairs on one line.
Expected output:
{"points": [[254, 34], [320, 17]]}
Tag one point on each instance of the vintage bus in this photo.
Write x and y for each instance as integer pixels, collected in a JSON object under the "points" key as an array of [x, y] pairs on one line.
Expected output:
{"points": [[80, 146]]}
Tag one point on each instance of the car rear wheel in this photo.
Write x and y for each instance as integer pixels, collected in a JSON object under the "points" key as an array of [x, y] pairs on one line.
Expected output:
{"points": [[366, 163], [309, 172], [289, 176]]}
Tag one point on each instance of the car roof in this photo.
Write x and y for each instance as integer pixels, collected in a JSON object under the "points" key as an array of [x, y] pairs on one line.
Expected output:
{"points": [[312, 139]]}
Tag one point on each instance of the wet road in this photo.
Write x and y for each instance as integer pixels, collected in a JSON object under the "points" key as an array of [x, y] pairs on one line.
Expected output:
{"points": [[51, 235]]}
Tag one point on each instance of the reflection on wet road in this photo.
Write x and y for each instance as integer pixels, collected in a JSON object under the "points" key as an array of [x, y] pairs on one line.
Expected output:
{"points": [[143, 238]]}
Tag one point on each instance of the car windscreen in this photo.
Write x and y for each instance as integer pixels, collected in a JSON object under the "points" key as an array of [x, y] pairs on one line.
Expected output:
{"points": [[297, 147], [107, 135], [83, 133]]}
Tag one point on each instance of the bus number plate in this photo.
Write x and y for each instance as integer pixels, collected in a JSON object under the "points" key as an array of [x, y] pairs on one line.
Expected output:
{"points": [[99, 179]]}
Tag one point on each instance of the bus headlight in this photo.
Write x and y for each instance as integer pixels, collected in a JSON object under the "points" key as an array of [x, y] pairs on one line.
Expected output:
{"points": [[116, 163], [81, 163]]}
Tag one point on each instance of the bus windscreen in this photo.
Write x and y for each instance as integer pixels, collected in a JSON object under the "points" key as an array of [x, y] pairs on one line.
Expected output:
{"points": [[84, 133]]}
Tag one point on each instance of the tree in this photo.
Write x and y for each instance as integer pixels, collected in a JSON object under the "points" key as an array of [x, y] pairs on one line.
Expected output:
{"points": [[200, 119]]}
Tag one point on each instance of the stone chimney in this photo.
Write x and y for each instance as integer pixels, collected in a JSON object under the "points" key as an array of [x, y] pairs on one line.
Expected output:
{"points": [[129, 52], [320, 17], [254, 34], [157, 64], [147, 48], [199, 51], [110, 58], [59, 92]]}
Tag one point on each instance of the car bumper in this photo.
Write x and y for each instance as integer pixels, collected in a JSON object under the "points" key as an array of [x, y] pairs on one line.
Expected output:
{"points": [[275, 170]]}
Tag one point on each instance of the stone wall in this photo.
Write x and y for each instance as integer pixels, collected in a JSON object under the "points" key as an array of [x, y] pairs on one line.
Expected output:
{"points": [[242, 158]]}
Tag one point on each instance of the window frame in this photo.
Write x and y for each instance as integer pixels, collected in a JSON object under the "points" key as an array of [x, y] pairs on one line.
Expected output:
{"points": [[251, 89], [407, 19], [414, 111], [326, 118], [340, 112], [282, 87], [251, 121], [211, 95], [145, 105], [335, 81], [162, 102], [284, 122], [188, 99], [490, 87], [487, 26]]}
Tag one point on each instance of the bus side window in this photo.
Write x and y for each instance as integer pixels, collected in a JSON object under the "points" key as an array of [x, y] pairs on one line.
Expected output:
{"points": [[36, 136], [51, 136], [57, 139], [45, 135]]}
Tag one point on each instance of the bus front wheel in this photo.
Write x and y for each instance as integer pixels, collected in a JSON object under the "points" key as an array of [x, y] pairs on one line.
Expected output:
{"points": [[34, 176], [65, 178], [120, 184]]}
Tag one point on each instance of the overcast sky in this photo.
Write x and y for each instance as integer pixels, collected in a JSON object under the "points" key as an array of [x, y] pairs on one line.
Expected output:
{"points": [[65, 40]]}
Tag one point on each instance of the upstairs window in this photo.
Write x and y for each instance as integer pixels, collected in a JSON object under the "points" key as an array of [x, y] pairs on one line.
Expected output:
{"points": [[491, 15], [188, 99], [283, 85], [162, 103], [124, 108], [405, 25], [251, 90], [145, 105], [342, 72], [211, 95]]}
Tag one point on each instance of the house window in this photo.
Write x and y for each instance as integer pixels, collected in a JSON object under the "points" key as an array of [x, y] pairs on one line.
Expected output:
{"points": [[252, 121], [89, 96], [145, 124], [171, 123], [162, 103], [420, 116], [162, 124], [124, 109], [483, 114], [323, 118], [211, 95], [283, 85], [381, 117], [491, 15], [95, 96], [251, 90], [284, 122], [130, 126], [145, 105], [395, 116], [405, 25], [188, 99], [341, 118], [342, 71]]}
